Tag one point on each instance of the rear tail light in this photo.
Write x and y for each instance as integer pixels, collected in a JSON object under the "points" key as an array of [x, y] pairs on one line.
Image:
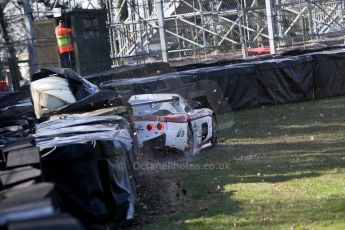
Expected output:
{"points": [[150, 127], [160, 126]]}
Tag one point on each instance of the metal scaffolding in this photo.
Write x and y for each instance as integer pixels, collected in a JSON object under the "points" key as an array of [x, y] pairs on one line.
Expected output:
{"points": [[199, 27]]}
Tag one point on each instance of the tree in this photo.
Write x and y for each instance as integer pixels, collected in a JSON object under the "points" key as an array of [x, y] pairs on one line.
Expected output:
{"points": [[102, 4], [47, 3], [12, 60]]}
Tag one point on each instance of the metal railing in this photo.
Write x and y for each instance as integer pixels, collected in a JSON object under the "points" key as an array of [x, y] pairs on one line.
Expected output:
{"points": [[231, 28]]}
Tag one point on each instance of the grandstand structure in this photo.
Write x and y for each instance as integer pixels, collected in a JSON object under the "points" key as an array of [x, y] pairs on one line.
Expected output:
{"points": [[194, 27]]}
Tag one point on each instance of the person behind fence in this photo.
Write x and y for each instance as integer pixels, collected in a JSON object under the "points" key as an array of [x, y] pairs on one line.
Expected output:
{"points": [[65, 45]]}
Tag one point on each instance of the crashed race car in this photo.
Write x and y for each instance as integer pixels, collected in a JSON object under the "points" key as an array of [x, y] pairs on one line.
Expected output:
{"points": [[87, 146], [167, 123]]}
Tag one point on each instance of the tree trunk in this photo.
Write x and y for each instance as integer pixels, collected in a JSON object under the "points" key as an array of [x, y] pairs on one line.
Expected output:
{"points": [[13, 60], [1, 69]]}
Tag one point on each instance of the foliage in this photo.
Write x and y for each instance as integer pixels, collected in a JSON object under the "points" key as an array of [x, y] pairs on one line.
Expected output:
{"points": [[9, 30]]}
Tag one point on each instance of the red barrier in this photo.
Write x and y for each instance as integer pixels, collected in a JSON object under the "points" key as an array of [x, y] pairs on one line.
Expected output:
{"points": [[258, 51]]}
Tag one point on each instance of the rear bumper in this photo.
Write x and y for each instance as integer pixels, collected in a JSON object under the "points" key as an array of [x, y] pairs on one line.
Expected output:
{"points": [[152, 144], [158, 144]]}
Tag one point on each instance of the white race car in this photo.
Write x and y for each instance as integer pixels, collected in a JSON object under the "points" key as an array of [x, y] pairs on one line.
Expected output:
{"points": [[167, 123]]}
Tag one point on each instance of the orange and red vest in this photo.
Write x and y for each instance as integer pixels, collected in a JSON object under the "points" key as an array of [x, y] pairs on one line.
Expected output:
{"points": [[64, 39]]}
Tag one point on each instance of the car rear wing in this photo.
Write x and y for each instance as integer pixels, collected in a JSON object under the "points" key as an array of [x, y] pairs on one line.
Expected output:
{"points": [[173, 99]]}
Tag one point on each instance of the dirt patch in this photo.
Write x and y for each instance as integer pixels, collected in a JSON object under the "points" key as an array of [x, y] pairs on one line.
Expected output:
{"points": [[160, 193]]}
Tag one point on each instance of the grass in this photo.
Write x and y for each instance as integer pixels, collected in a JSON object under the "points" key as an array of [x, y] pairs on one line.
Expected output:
{"points": [[285, 170]]}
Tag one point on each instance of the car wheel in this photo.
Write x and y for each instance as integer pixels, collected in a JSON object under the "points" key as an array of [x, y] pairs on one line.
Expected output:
{"points": [[215, 132]]}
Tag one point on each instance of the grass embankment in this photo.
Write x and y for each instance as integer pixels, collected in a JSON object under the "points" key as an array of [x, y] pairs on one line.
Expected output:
{"points": [[286, 171]]}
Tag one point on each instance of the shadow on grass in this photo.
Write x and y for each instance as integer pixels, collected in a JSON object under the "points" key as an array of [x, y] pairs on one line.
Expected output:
{"points": [[286, 130], [273, 178], [303, 214], [321, 116], [282, 164]]}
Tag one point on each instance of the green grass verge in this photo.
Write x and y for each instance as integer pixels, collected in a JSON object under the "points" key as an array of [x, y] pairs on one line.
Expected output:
{"points": [[286, 172]]}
